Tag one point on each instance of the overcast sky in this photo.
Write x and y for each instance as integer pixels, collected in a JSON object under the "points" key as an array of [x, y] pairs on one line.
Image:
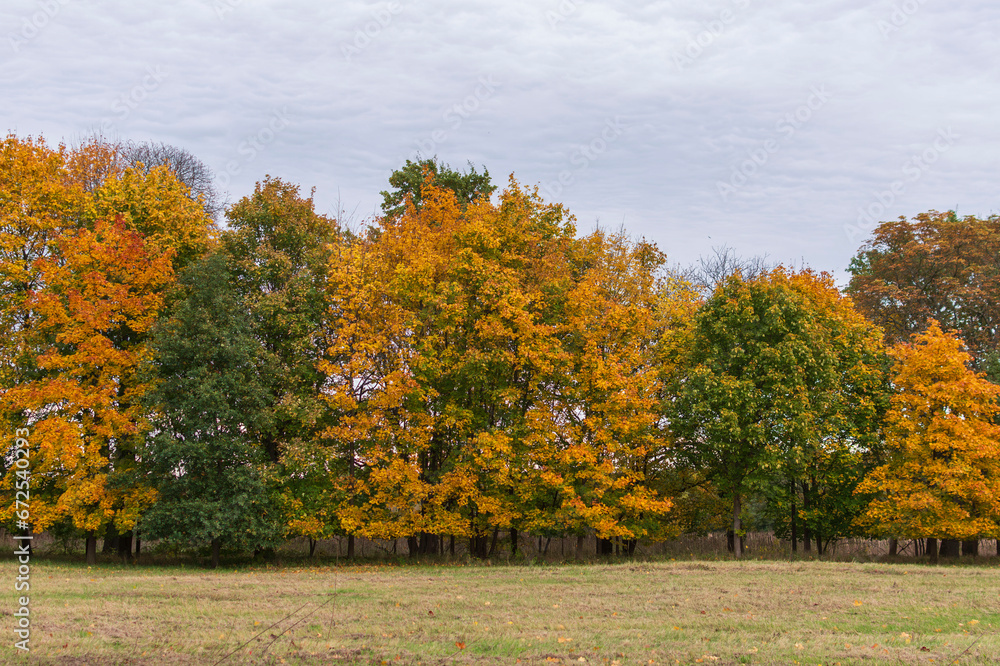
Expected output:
{"points": [[779, 128]]}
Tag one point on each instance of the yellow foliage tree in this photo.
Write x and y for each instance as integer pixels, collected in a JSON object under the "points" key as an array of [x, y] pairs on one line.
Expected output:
{"points": [[491, 371], [943, 476]]}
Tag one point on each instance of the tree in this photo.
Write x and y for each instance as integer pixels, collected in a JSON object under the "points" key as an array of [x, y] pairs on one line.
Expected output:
{"points": [[157, 205], [712, 271], [942, 479], [935, 266], [279, 250], [98, 293], [72, 272], [490, 372], [206, 468], [782, 379], [96, 159], [37, 200], [409, 181], [441, 327], [601, 401]]}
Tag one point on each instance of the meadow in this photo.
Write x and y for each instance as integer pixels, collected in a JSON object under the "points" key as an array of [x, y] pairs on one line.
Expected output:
{"points": [[617, 613]]}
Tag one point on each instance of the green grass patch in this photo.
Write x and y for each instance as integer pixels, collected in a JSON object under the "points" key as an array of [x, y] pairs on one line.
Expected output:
{"points": [[628, 613]]}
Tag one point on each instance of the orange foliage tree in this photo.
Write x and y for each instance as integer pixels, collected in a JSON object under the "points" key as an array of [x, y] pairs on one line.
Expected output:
{"points": [[491, 371], [102, 290], [943, 476], [86, 256]]}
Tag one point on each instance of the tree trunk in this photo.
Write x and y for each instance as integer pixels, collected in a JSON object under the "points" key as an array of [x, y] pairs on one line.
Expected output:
{"points": [[91, 548], [350, 546], [932, 549], [125, 546], [819, 545], [792, 518], [428, 543], [806, 531], [579, 546], [893, 547], [138, 546], [216, 551], [413, 545], [312, 546], [970, 547], [451, 546], [737, 527], [110, 539], [493, 544], [949, 548], [605, 547], [513, 541]]}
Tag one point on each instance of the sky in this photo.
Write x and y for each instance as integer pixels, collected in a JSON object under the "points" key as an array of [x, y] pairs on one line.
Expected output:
{"points": [[786, 129]]}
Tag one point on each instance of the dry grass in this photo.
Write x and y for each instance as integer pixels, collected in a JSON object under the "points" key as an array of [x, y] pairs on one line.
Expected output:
{"points": [[627, 613]]}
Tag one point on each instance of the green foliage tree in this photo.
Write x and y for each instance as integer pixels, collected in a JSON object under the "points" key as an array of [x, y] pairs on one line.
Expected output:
{"points": [[207, 469], [279, 250], [411, 178], [782, 381]]}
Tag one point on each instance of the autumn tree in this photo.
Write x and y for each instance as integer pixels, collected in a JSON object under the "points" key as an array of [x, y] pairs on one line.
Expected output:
{"points": [[938, 266], [600, 402], [99, 292], [942, 479], [37, 200], [82, 281], [466, 342], [435, 389], [782, 380], [207, 470]]}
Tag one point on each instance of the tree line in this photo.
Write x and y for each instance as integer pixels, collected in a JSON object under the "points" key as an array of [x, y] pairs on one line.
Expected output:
{"points": [[467, 366]]}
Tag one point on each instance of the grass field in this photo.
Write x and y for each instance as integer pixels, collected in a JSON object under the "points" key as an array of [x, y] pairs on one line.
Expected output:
{"points": [[626, 613]]}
